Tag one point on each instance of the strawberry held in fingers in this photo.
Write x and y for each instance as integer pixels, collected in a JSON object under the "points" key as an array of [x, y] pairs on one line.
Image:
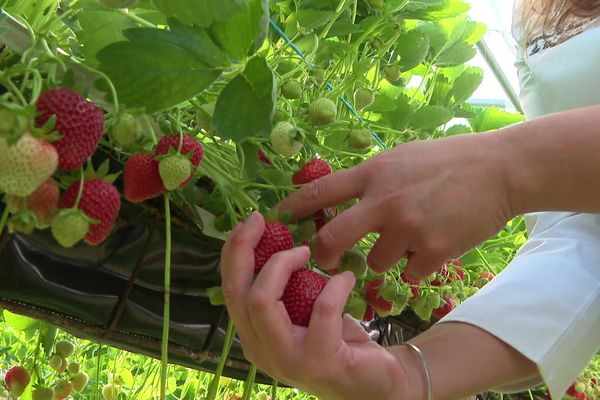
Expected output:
{"points": [[100, 201], [312, 170], [141, 178], [276, 237], [16, 380], [79, 122], [300, 294], [25, 165]]}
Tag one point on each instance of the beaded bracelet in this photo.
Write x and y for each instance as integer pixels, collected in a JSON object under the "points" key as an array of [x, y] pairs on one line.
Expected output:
{"points": [[425, 366]]}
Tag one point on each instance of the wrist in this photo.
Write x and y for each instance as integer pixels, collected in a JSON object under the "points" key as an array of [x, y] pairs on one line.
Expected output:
{"points": [[410, 374]]}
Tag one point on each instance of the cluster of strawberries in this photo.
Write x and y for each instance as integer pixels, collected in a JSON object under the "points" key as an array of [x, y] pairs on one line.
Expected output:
{"points": [[66, 132], [70, 379], [29, 159]]}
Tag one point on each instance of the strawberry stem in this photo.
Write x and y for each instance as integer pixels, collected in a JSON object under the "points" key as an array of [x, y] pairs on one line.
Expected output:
{"points": [[3, 219], [166, 318], [80, 191], [249, 384], [274, 389], [98, 369], [214, 385]]}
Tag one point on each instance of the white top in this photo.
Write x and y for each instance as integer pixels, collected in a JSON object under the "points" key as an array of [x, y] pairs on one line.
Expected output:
{"points": [[546, 303]]}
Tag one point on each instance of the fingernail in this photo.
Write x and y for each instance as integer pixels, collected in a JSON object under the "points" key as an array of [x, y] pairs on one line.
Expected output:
{"points": [[252, 218]]}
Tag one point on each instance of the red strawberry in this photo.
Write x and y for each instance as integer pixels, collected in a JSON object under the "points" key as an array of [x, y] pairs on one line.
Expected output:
{"points": [[262, 157], [141, 179], [275, 238], [414, 286], [300, 294], [16, 380], [25, 165], [312, 170], [43, 202], [449, 305], [62, 390], [80, 123], [100, 201], [320, 219], [483, 279], [189, 145], [369, 314], [371, 294]]}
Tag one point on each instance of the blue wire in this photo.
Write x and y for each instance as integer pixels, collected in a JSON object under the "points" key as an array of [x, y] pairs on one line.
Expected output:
{"points": [[329, 86]]}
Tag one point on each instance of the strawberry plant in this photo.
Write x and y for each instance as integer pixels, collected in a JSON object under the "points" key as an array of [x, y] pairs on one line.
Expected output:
{"points": [[224, 108]]}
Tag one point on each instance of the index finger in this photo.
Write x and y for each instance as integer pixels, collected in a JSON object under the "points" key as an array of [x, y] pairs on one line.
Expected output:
{"points": [[327, 191]]}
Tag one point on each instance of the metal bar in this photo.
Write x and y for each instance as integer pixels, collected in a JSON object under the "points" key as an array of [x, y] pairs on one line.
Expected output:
{"points": [[489, 58]]}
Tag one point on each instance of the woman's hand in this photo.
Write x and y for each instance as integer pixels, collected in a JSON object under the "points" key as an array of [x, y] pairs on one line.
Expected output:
{"points": [[429, 200], [334, 357]]}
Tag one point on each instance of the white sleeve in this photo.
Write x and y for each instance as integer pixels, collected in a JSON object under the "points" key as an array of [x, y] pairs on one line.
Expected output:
{"points": [[546, 303]]}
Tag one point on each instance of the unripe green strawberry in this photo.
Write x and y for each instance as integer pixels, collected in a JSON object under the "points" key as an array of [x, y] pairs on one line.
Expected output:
{"points": [[42, 393], [322, 111], [360, 138], [376, 4], [126, 130], [65, 348], [434, 300], [110, 392], [69, 227], [392, 73], [377, 43], [79, 381], [74, 368], [286, 139], [363, 98], [291, 90], [262, 395], [62, 390], [55, 362], [580, 387], [356, 306], [422, 308], [119, 3], [25, 165], [174, 170], [356, 262]]}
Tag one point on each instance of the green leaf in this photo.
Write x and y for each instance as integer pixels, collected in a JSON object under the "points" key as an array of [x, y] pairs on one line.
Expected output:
{"points": [[251, 160], [412, 47], [100, 27], [458, 130], [244, 32], [401, 115], [276, 177], [19, 322], [48, 334], [430, 117], [492, 118], [200, 12], [157, 69], [436, 35], [246, 105], [474, 32], [458, 53], [466, 84]]}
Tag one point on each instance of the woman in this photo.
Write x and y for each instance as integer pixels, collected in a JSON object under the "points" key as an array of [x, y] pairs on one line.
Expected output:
{"points": [[536, 322]]}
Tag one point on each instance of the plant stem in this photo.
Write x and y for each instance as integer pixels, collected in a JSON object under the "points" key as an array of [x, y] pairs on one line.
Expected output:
{"points": [[166, 317], [98, 357], [274, 389], [214, 385], [3, 219], [249, 384]]}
